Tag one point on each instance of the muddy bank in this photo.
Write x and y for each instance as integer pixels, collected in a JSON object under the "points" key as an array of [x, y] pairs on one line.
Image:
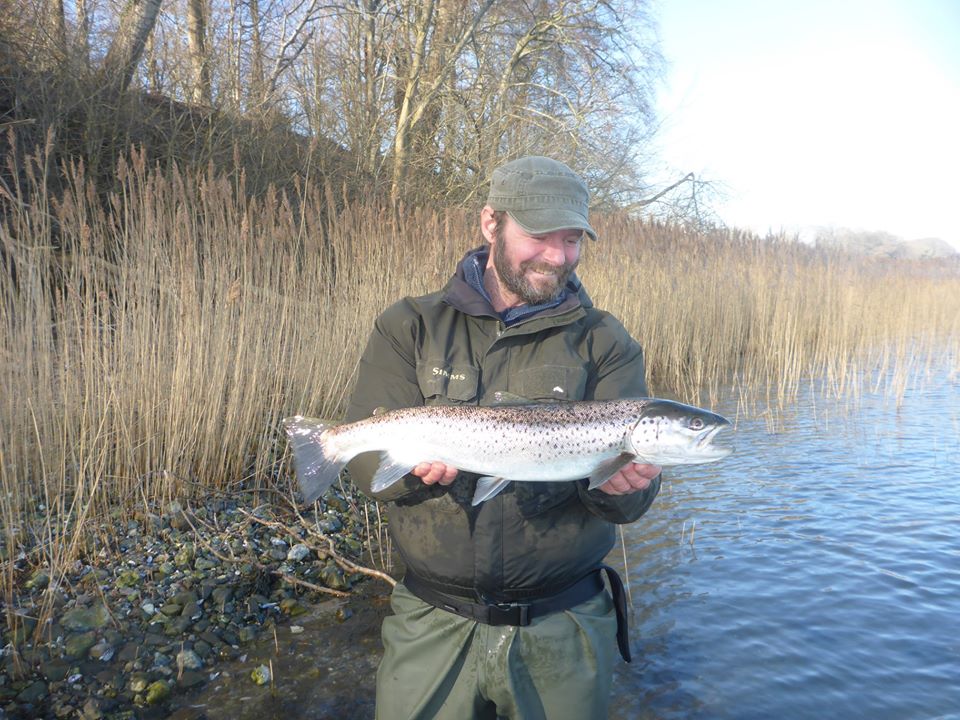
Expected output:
{"points": [[321, 667]]}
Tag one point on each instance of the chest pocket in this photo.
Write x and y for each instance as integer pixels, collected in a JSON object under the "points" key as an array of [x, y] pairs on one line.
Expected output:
{"points": [[550, 382], [440, 381]]}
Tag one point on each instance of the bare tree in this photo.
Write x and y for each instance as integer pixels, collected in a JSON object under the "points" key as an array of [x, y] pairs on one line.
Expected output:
{"points": [[199, 57], [137, 21]]}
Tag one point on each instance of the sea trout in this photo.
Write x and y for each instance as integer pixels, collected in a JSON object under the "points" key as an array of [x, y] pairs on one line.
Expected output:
{"points": [[538, 442]]}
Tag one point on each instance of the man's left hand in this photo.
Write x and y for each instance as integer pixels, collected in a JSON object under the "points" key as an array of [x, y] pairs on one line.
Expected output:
{"points": [[634, 477]]}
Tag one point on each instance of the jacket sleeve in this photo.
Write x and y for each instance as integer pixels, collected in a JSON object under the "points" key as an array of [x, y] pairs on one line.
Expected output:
{"points": [[386, 379], [620, 373]]}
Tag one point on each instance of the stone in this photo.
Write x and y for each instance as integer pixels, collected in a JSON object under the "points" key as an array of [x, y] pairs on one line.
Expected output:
{"points": [[82, 619], [261, 675], [77, 646], [298, 553], [221, 595], [138, 682], [170, 609], [190, 678], [91, 710], [248, 633], [185, 555], [290, 606], [33, 693], [38, 581], [203, 564], [55, 670], [102, 651], [128, 579], [202, 648], [189, 660], [157, 692]]}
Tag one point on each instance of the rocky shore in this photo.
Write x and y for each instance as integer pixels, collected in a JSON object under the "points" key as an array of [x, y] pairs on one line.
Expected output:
{"points": [[134, 630]]}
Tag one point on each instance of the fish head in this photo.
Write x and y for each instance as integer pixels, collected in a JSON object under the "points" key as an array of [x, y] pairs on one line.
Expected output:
{"points": [[671, 433]]}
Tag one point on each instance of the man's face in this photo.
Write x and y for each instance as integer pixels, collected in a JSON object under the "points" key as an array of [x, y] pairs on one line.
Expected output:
{"points": [[533, 269]]}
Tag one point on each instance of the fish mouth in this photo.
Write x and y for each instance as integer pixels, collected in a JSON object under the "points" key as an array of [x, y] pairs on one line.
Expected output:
{"points": [[705, 443]]}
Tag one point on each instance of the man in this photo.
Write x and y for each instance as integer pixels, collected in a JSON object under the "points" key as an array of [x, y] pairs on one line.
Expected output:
{"points": [[502, 611]]}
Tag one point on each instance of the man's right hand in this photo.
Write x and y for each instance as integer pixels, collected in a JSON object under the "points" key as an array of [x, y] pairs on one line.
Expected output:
{"points": [[435, 472]]}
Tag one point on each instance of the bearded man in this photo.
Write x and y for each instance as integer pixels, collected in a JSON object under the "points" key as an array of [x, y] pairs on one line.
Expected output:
{"points": [[503, 611]]}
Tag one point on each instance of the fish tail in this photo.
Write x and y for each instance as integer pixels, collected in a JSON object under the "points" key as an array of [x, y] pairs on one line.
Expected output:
{"points": [[315, 466]]}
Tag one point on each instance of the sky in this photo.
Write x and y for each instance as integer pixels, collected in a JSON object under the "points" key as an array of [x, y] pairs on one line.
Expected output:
{"points": [[811, 114]]}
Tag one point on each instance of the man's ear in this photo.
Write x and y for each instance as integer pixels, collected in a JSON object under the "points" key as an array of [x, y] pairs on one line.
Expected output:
{"points": [[488, 224]]}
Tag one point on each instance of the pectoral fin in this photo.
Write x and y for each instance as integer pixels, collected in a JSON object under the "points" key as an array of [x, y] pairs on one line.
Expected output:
{"points": [[387, 473], [610, 468], [487, 487]]}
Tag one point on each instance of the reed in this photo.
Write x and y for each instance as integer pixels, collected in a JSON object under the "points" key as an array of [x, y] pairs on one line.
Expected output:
{"points": [[151, 344]]}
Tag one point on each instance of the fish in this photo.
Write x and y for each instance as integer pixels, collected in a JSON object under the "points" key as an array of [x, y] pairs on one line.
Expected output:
{"points": [[509, 443]]}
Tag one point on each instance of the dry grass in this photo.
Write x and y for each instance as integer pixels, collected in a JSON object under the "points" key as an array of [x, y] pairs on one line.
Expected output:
{"points": [[149, 350]]}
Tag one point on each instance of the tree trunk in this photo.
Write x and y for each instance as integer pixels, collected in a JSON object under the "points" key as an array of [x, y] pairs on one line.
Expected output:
{"points": [[136, 23], [199, 60]]}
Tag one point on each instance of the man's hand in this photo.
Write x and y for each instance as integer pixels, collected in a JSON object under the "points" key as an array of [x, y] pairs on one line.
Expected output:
{"points": [[435, 472], [633, 477]]}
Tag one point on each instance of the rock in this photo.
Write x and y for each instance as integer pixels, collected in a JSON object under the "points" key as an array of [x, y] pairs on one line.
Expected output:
{"points": [[82, 619], [128, 579], [343, 614], [91, 710], [102, 651], [333, 577], [298, 552], [202, 648], [203, 564], [185, 555], [189, 660], [171, 609], [55, 670], [296, 629], [157, 692], [330, 524], [261, 675], [33, 693], [190, 678], [138, 682], [248, 633], [77, 646], [38, 581], [290, 606], [221, 595]]}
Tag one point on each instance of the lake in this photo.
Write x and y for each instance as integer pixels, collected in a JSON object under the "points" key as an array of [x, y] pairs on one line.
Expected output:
{"points": [[814, 573]]}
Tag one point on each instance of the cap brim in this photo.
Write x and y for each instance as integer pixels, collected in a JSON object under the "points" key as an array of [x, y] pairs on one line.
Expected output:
{"points": [[540, 222]]}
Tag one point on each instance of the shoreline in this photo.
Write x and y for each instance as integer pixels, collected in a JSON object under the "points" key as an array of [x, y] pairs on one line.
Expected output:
{"points": [[189, 601]]}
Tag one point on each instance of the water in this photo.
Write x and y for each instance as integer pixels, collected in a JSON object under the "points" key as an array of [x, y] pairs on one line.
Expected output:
{"points": [[815, 573]]}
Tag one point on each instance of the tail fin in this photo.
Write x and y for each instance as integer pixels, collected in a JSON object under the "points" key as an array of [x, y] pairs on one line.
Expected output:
{"points": [[315, 471]]}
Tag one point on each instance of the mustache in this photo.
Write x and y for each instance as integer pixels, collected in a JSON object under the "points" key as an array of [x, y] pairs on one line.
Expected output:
{"points": [[547, 268]]}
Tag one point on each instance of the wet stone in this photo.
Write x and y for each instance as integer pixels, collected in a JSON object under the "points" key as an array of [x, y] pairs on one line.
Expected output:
{"points": [[157, 692], [102, 651], [171, 608], [248, 633], [33, 693], [55, 670], [81, 619], [202, 648], [189, 660], [77, 646], [298, 553]]}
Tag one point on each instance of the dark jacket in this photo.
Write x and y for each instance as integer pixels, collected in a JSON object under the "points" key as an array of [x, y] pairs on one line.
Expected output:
{"points": [[450, 347]]}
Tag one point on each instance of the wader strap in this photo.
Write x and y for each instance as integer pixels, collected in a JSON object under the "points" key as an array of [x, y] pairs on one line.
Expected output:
{"points": [[620, 606], [515, 613]]}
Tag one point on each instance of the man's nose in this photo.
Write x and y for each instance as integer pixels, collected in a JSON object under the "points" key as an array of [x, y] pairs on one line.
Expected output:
{"points": [[554, 253]]}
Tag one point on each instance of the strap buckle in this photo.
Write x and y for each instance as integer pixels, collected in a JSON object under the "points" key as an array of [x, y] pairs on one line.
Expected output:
{"points": [[508, 614]]}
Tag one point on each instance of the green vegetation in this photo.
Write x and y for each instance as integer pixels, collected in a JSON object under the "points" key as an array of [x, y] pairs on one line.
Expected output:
{"points": [[151, 346]]}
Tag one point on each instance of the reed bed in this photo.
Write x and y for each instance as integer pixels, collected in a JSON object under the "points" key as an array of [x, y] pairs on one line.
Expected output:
{"points": [[151, 344]]}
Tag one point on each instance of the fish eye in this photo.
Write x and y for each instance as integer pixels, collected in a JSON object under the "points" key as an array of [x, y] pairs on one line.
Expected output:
{"points": [[696, 423]]}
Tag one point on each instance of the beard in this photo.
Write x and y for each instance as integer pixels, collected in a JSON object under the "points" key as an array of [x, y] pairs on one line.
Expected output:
{"points": [[518, 282]]}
